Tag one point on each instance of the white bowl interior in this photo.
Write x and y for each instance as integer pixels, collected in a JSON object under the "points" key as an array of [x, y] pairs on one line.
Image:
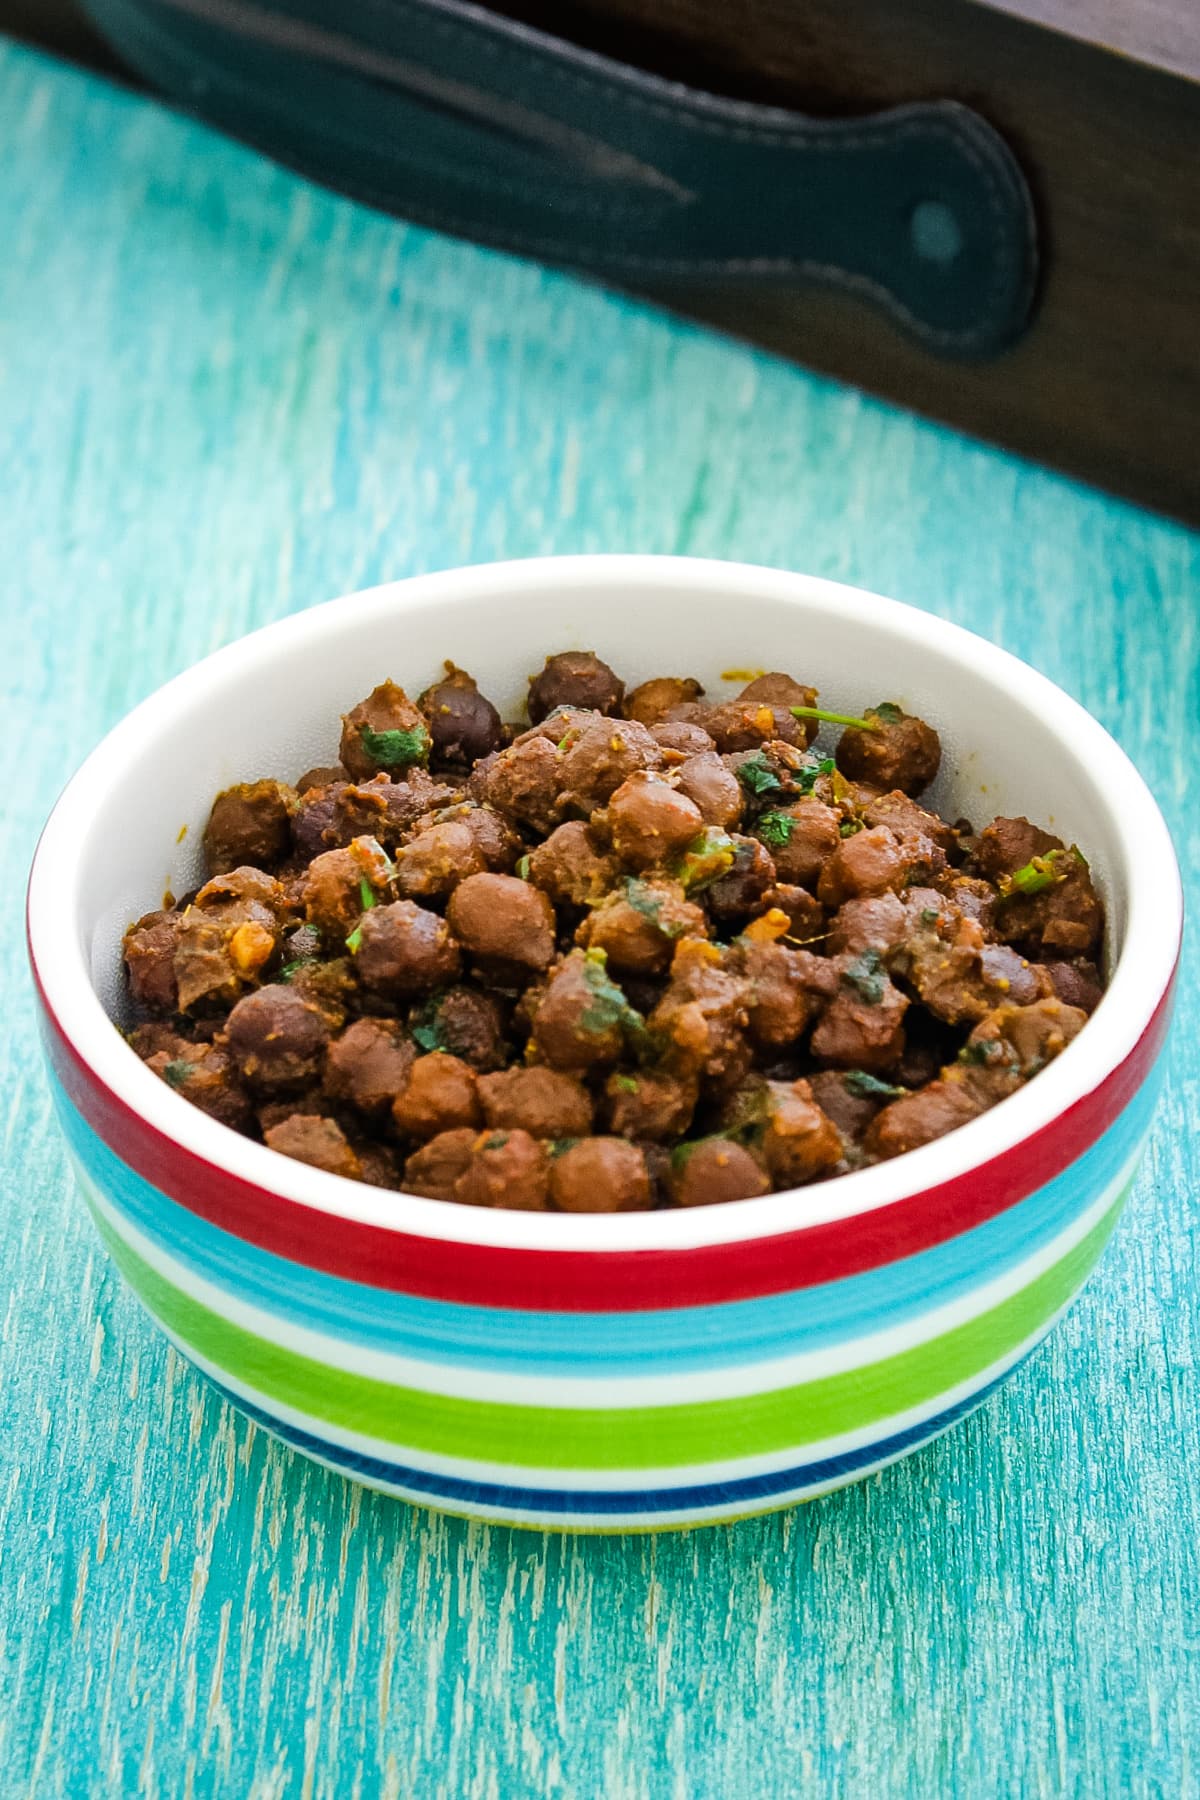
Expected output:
{"points": [[129, 826]]}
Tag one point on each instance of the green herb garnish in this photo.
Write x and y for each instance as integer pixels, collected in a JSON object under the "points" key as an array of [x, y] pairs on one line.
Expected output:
{"points": [[1040, 872], [776, 828], [557, 1147], [831, 718], [625, 1083], [396, 749], [643, 899], [366, 895], [607, 1006], [305, 946], [523, 867], [177, 1071], [757, 776], [427, 1026], [426, 1031], [869, 1087], [888, 711], [983, 1054], [867, 975], [705, 860], [929, 915], [748, 1114], [806, 778], [1036, 875], [850, 828]]}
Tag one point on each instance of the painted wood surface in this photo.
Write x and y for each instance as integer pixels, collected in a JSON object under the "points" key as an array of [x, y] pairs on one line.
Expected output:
{"points": [[224, 396]]}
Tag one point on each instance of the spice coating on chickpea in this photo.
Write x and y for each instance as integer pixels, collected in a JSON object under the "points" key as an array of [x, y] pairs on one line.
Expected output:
{"points": [[657, 948]]}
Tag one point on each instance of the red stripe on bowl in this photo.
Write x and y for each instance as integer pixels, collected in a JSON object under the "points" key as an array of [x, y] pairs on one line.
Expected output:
{"points": [[598, 1281]]}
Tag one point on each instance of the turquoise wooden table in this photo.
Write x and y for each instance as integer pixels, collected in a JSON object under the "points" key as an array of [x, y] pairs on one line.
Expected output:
{"points": [[224, 396]]}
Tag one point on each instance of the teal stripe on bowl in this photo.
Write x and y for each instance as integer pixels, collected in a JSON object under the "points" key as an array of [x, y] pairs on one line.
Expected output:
{"points": [[695, 1429], [626, 1343]]}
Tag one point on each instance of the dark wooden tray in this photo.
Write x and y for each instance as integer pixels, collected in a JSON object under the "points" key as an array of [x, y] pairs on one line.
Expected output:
{"points": [[1099, 99]]}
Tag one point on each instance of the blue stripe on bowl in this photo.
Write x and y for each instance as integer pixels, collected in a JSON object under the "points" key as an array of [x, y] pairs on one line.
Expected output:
{"points": [[623, 1343], [513, 1502]]}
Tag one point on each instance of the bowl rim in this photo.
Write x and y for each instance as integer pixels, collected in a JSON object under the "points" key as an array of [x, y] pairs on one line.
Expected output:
{"points": [[1139, 984]]}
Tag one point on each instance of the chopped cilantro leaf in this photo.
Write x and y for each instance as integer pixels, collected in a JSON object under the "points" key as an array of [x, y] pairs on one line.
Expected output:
{"points": [[831, 718], [984, 1053], [776, 828], [643, 899], [625, 1083], [806, 778], [887, 711], [426, 1029], [748, 1113], [177, 1071], [1039, 873], [705, 860], [396, 749], [867, 975], [869, 1087], [301, 948], [1033, 878], [850, 828], [929, 915], [757, 776], [608, 1005], [523, 868]]}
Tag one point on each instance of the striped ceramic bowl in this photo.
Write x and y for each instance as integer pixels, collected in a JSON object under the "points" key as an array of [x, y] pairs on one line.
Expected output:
{"points": [[606, 1372]]}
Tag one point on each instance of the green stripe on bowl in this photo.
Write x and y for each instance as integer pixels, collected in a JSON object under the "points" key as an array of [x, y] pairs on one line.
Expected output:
{"points": [[609, 1437]]}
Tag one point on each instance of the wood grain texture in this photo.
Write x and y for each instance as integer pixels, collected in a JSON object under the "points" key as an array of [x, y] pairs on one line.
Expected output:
{"points": [[224, 396], [1105, 382], [1162, 33]]}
